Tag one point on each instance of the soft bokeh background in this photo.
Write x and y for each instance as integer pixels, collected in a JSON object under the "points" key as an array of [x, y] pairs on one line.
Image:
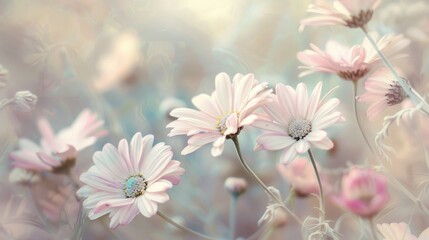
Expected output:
{"points": [[131, 61]]}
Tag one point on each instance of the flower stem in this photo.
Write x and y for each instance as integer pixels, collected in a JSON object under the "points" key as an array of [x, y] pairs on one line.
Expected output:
{"points": [[232, 216], [5, 102], [372, 229], [358, 119], [409, 90], [322, 197], [183, 228], [259, 181]]}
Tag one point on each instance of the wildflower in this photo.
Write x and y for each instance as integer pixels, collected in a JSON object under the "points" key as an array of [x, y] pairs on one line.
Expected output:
{"points": [[129, 180], [274, 213], [352, 63], [400, 231], [382, 91], [295, 121], [363, 192], [4, 75], [236, 186], [57, 151], [300, 175], [349, 13], [222, 115], [24, 101]]}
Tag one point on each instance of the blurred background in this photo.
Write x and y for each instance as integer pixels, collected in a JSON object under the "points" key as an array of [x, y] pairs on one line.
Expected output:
{"points": [[132, 61]]}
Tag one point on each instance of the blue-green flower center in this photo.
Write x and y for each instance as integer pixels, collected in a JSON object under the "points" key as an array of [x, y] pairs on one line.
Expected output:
{"points": [[134, 186]]}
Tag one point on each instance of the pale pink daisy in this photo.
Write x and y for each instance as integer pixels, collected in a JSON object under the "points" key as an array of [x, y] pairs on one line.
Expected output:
{"points": [[57, 150], [363, 192], [382, 91], [129, 180], [400, 231], [300, 175], [350, 63], [222, 115], [350, 13], [297, 121]]}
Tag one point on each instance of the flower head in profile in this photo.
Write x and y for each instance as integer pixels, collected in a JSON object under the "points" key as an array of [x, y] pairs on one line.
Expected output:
{"points": [[221, 115], [382, 91], [129, 180], [349, 13], [363, 192], [297, 120], [350, 63], [300, 175], [400, 231], [57, 151]]}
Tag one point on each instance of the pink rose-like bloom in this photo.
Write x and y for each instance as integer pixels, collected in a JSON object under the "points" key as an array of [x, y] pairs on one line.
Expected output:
{"points": [[300, 175], [382, 91], [364, 192], [55, 149], [350, 13], [222, 115], [350, 63], [400, 231], [129, 180], [296, 120]]}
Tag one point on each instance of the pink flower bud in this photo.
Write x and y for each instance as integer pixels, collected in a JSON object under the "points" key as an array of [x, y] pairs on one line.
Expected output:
{"points": [[236, 186]]}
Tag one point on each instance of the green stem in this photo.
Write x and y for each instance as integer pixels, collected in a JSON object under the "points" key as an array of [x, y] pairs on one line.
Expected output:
{"points": [[259, 181], [183, 228], [322, 197], [232, 216], [410, 91]]}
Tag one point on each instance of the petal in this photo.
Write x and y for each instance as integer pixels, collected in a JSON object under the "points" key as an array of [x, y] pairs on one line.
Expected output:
{"points": [[147, 207]]}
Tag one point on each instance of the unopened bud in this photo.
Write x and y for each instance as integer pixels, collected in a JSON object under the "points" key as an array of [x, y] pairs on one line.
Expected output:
{"points": [[236, 186], [24, 101]]}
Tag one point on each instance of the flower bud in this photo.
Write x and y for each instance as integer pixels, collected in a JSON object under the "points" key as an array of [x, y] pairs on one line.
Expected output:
{"points": [[24, 101], [236, 186]]}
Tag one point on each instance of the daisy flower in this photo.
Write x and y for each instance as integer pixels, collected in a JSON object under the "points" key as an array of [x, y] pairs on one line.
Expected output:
{"points": [[400, 231], [352, 63], [363, 192], [129, 180], [221, 115], [382, 91], [56, 151], [349, 13], [297, 121]]}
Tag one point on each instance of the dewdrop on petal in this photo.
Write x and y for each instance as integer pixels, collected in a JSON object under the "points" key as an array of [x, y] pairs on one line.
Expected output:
{"points": [[24, 101], [236, 186]]}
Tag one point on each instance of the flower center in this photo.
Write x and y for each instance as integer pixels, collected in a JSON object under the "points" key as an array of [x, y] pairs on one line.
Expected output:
{"points": [[360, 20], [395, 95], [299, 128], [134, 186], [221, 123], [353, 75]]}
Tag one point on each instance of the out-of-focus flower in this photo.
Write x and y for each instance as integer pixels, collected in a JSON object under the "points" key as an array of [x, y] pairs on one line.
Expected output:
{"points": [[300, 175], [274, 213], [350, 13], [400, 231], [4, 75], [236, 186], [363, 192], [296, 120], [129, 180], [169, 104], [382, 91], [55, 150], [19, 175], [222, 115], [119, 62], [350, 63], [24, 101]]}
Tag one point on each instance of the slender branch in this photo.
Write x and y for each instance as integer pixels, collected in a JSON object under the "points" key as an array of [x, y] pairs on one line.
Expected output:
{"points": [[358, 119], [183, 228], [232, 216], [5, 102], [259, 181], [410, 91], [313, 162]]}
